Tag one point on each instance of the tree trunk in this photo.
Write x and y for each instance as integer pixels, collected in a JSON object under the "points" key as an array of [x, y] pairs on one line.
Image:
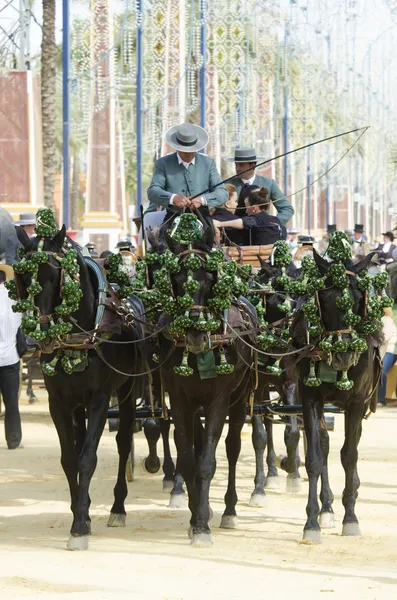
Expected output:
{"points": [[75, 196], [48, 100]]}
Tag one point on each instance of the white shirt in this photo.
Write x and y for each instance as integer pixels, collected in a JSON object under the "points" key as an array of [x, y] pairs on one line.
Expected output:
{"points": [[248, 181], [386, 247], [186, 165], [9, 323]]}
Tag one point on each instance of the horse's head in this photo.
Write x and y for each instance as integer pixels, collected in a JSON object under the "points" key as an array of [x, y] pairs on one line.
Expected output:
{"points": [[198, 285], [274, 282], [341, 305], [48, 286]]}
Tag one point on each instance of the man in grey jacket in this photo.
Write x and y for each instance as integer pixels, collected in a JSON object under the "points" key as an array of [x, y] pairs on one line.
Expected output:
{"points": [[27, 221], [184, 174], [245, 159]]}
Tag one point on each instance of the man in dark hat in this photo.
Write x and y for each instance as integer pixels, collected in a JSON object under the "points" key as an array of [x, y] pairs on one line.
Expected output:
{"points": [[245, 158], [324, 241], [360, 246], [27, 222], [306, 243], [91, 247], [125, 245], [180, 176]]}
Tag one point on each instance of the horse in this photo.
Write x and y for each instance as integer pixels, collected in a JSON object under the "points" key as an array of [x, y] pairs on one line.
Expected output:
{"points": [[286, 385], [327, 312], [218, 396], [73, 396]]}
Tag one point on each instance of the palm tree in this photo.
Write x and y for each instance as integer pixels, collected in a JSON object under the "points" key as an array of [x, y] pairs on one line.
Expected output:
{"points": [[48, 99]]}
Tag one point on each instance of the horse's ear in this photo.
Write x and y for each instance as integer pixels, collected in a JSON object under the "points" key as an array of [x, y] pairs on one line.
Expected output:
{"points": [[266, 268], [363, 264], [321, 263], [151, 238], [22, 236], [59, 238], [171, 243]]}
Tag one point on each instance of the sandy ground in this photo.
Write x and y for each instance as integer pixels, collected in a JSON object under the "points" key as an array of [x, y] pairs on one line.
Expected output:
{"points": [[151, 557]]}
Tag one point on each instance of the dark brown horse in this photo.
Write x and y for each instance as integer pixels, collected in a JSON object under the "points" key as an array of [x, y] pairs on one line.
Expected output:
{"points": [[364, 370], [86, 394]]}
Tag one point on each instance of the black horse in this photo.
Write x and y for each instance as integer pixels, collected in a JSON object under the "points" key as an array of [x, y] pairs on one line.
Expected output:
{"points": [[364, 370], [218, 396], [85, 395], [286, 385]]}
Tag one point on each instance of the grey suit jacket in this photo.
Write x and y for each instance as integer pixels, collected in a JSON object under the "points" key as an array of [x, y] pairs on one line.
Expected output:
{"points": [[12, 246], [283, 207], [172, 178]]}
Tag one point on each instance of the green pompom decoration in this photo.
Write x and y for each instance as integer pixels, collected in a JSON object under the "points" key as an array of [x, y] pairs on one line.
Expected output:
{"points": [[344, 383], [345, 302], [151, 259], [274, 369], [185, 301], [312, 380], [184, 370], [186, 228], [38, 334], [49, 368], [386, 302], [340, 345], [12, 289], [380, 280], [357, 344], [281, 253], [339, 246], [46, 226], [191, 286], [224, 368], [326, 344], [28, 324]]}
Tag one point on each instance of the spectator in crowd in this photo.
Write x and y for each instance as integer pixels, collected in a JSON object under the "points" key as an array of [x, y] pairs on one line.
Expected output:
{"points": [[9, 363], [306, 243], [324, 241], [27, 221], [92, 251], [360, 246], [388, 352], [385, 250], [293, 240]]}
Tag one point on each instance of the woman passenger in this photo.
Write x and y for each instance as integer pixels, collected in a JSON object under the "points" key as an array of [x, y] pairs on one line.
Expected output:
{"points": [[263, 229], [229, 236]]}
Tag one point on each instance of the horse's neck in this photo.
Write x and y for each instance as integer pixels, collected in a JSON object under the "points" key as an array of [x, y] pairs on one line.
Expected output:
{"points": [[85, 315]]}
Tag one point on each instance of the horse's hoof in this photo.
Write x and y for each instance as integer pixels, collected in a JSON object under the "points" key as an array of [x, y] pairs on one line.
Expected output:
{"points": [[294, 484], [177, 501], [258, 500], [229, 522], [272, 483], [116, 520], [77, 542], [151, 466], [311, 536], [167, 485], [201, 540], [326, 520], [351, 529]]}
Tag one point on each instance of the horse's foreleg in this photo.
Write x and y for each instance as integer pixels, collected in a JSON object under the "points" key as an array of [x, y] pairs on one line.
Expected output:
{"points": [[272, 479], [215, 417], [168, 464], [80, 430], [312, 410], [151, 428], [124, 443], [63, 422], [186, 464], [349, 456], [259, 442], [291, 462], [327, 518], [97, 415], [237, 414]]}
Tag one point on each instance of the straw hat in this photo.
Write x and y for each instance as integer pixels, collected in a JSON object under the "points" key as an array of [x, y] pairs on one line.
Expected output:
{"points": [[187, 137], [8, 270]]}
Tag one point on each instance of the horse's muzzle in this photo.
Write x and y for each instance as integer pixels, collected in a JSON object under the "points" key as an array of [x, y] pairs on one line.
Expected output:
{"points": [[196, 341]]}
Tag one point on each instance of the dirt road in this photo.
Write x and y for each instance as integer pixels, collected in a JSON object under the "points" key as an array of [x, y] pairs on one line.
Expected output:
{"points": [[151, 557]]}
